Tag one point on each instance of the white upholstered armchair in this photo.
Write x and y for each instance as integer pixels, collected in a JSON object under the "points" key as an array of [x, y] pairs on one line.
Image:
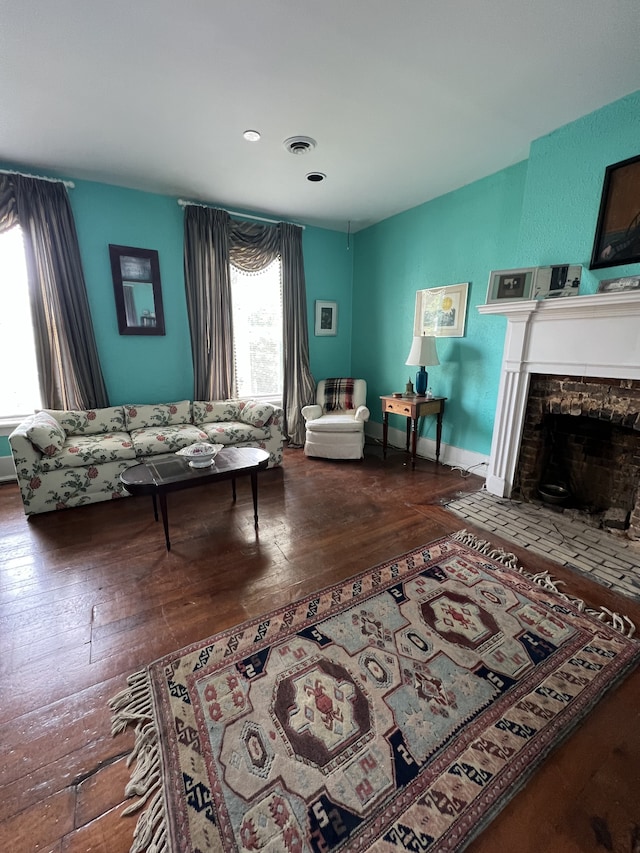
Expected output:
{"points": [[335, 424]]}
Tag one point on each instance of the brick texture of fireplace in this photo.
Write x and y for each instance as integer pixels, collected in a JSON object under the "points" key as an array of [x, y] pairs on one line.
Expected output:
{"points": [[581, 439]]}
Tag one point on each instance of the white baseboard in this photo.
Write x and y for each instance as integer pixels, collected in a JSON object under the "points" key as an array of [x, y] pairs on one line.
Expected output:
{"points": [[455, 457], [7, 469]]}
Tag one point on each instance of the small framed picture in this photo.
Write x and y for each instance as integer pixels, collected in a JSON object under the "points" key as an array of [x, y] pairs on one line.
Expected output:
{"points": [[326, 318], [510, 285], [557, 281], [619, 285]]}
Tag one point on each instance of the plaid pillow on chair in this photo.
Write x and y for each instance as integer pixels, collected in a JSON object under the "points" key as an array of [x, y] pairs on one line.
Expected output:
{"points": [[338, 394]]}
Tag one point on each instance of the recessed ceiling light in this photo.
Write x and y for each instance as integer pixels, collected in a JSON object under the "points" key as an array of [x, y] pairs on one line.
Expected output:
{"points": [[316, 177], [251, 135]]}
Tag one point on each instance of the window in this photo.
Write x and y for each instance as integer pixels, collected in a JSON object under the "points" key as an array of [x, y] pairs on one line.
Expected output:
{"points": [[19, 388], [257, 331]]}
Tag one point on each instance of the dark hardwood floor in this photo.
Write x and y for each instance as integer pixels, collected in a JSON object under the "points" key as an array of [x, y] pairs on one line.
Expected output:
{"points": [[90, 595]]}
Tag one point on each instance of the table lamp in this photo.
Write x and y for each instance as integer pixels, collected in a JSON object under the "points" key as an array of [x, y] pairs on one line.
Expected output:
{"points": [[423, 352]]}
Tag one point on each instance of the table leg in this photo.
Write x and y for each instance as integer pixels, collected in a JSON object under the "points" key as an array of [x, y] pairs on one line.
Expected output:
{"points": [[165, 518], [155, 506], [408, 434], [414, 439], [438, 436], [254, 492], [233, 488], [385, 433]]}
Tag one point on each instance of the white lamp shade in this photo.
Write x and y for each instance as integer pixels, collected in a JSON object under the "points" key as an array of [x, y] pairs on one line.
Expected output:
{"points": [[423, 351]]}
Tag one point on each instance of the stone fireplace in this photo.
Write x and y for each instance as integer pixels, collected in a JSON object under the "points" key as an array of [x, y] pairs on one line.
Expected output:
{"points": [[580, 359]]}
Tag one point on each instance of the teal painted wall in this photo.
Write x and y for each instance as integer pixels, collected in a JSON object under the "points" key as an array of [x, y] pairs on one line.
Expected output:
{"points": [[137, 369], [456, 238], [564, 187], [329, 273], [542, 211]]}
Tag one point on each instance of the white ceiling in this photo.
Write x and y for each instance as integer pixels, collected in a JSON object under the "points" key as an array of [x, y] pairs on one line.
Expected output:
{"points": [[407, 99]]}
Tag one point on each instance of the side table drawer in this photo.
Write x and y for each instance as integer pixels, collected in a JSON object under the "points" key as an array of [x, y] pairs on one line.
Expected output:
{"points": [[400, 407]]}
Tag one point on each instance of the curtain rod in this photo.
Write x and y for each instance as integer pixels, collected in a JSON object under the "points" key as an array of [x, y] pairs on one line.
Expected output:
{"points": [[68, 184], [184, 203]]}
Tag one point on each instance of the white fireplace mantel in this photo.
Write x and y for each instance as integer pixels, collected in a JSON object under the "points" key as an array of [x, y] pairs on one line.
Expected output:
{"points": [[596, 335]]}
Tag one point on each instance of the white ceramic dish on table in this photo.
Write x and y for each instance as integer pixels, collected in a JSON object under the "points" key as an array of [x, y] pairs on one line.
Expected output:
{"points": [[201, 454]]}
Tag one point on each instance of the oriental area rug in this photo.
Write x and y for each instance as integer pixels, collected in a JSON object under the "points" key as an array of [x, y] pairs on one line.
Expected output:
{"points": [[397, 711]]}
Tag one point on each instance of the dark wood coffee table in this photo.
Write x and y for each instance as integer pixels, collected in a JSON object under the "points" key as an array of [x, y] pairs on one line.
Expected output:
{"points": [[158, 477]]}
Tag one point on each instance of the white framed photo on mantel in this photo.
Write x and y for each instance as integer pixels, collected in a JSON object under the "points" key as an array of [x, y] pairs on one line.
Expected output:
{"points": [[557, 281]]}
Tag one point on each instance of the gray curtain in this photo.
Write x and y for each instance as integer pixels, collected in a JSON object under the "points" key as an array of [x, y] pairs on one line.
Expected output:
{"points": [[66, 352], [208, 290], [213, 241], [299, 385]]}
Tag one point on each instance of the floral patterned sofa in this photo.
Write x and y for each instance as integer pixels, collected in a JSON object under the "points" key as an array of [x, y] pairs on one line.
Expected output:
{"points": [[65, 459]]}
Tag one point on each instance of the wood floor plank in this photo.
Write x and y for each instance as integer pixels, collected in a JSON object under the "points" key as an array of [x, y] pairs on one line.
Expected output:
{"points": [[41, 826], [108, 833], [101, 792], [91, 595]]}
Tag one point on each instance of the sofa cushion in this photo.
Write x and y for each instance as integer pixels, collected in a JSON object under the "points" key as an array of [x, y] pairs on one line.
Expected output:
{"points": [[215, 411], [256, 413], [235, 432], [82, 450], [90, 421], [165, 439], [46, 434], [164, 414]]}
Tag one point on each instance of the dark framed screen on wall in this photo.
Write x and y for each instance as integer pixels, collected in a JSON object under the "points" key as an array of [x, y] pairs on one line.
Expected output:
{"points": [[617, 239]]}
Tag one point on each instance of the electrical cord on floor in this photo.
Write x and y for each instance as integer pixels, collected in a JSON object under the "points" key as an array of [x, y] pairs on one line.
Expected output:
{"points": [[466, 472]]}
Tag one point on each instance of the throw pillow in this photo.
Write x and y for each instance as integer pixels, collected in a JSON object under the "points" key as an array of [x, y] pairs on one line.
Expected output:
{"points": [[256, 413], [162, 414], [213, 411], [46, 434], [90, 421]]}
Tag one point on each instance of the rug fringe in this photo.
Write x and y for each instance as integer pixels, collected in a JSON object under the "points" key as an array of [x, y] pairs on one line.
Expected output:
{"points": [[620, 623], [134, 705]]}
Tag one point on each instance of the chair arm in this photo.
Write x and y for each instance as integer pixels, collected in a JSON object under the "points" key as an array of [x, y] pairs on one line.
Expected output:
{"points": [[362, 413], [310, 413]]}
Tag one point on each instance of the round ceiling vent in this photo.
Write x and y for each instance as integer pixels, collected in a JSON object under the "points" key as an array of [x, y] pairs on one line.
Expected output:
{"points": [[299, 144], [316, 177]]}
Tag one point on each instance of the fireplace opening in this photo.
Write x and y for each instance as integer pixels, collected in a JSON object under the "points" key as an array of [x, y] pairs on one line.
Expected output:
{"points": [[588, 464], [580, 450]]}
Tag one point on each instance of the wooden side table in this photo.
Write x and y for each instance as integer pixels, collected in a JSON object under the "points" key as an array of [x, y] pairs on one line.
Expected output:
{"points": [[412, 408]]}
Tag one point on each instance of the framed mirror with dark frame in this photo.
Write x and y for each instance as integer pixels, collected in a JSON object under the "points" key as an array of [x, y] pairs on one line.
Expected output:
{"points": [[137, 290]]}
